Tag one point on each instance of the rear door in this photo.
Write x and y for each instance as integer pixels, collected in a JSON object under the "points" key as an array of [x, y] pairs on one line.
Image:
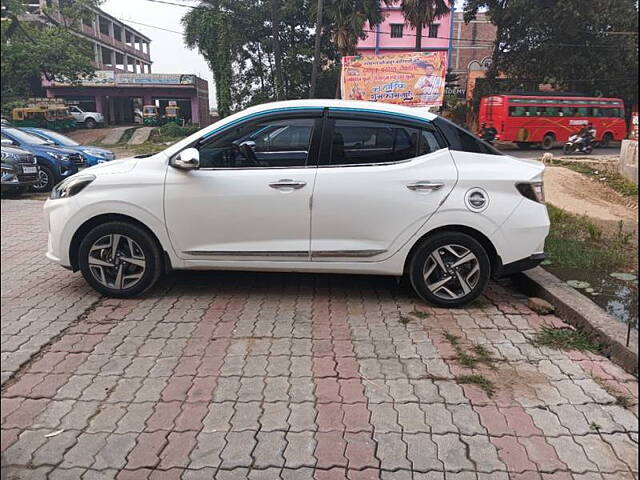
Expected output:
{"points": [[379, 180]]}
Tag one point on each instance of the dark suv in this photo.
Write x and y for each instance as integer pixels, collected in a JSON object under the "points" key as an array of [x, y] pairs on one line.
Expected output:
{"points": [[19, 169], [55, 163]]}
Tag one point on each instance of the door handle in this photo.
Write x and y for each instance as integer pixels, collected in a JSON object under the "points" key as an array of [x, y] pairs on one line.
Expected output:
{"points": [[425, 186], [287, 183]]}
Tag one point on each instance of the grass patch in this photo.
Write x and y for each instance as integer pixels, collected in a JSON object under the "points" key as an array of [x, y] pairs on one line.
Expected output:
{"points": [[577, 242], [126, 136], [419, 314], [171, 132], [148, 148], [480, 353], [623, 400], [452, 339], [566, 339], [479, 380], [613, 179]]}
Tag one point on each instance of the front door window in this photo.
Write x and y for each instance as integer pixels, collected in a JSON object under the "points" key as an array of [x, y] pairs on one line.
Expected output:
{"points": [[265, 144]]}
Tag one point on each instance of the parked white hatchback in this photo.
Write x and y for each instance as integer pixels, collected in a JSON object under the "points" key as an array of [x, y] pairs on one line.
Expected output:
{"points": [[308, 186]]}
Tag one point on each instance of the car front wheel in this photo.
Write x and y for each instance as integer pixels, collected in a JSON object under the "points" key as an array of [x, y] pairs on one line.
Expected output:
{"points": [[120, 259], [90, 123], [45, 180], [450, 269]]}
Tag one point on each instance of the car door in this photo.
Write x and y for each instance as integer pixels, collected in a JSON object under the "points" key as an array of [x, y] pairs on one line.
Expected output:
{"points": [[250, 198], [379, 180]]}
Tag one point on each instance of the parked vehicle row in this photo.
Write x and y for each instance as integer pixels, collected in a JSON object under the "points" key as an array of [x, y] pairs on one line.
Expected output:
{"points": [[56, 157], [19, 169]]}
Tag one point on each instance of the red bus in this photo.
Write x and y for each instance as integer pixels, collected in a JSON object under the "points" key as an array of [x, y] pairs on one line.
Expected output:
{"points": [[544, 120]]}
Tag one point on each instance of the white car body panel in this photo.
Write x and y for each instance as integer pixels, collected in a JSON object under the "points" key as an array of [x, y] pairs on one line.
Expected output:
{"points": [[371, 209], [359, 208]]}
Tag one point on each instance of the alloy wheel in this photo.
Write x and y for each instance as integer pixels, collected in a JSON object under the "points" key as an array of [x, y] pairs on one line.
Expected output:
{"points": [[42, 181], [116, 261], [451, 272]]}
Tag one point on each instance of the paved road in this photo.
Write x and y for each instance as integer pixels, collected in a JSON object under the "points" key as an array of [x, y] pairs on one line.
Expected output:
{"points": [[264, 376], [537, 153]]}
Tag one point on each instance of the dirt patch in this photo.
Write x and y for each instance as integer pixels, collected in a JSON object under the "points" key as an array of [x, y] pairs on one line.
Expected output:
{"points": [[89, 136], [580, 195]]}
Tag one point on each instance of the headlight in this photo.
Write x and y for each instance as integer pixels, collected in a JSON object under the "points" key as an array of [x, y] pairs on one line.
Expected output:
{"points": [[9, 156], [8, 170], [71, 186], [59, 156]]}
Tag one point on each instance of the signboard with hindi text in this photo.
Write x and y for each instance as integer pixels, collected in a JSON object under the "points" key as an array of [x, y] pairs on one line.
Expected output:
{"points": [[414, 79]]}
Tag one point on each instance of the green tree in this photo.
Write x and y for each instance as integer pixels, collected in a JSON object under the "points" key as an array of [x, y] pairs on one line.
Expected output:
{"points": [[588, 47], [209, 28], [31, 50], [419, 13]]}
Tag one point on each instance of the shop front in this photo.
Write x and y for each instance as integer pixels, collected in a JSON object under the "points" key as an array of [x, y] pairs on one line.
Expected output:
{"points": [[120, 97]]}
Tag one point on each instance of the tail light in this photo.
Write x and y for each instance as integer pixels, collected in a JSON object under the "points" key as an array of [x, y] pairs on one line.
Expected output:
{"points": [[533, 191]]}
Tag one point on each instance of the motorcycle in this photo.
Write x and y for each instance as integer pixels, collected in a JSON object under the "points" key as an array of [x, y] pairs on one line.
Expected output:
{"points": [[575, 144]]}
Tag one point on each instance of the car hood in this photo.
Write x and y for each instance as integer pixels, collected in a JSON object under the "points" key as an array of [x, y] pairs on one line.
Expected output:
{"points": [[122, 165], [14, 149], [89, 147], [51, 149]]}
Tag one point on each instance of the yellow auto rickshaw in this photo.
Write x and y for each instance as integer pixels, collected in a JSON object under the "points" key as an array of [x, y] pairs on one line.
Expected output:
{"points": [[150, 115], [29, 116], [59, 118], [172, 114]]}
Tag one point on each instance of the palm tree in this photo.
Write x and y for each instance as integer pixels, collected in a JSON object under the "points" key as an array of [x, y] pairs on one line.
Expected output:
{"points": [[346, 20], [419, 13]]}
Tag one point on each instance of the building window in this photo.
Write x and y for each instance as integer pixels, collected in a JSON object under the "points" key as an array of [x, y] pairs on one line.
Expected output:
{"points": [[433, 30], [396, 30]]}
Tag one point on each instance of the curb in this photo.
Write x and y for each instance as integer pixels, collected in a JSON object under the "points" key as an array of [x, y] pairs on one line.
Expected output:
{"points": [[581, 312]]}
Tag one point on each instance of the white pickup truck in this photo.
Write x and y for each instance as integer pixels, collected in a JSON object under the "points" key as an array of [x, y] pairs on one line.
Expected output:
{"points": [[88, 119]]}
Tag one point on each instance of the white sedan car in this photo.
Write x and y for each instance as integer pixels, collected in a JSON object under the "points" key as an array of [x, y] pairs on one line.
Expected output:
{"points": [[308, 186]]}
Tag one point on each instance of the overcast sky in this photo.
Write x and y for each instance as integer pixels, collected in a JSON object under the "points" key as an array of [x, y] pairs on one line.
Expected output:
{"points": [[168, 52]]}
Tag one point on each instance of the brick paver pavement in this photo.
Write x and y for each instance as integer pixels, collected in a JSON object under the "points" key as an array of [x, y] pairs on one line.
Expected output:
{"points": [[265, 376]]}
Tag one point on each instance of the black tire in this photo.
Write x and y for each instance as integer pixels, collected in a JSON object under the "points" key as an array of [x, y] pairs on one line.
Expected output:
{"points": [[606, 140], [90, 123], [46, 180], [434, 243], [567, 149], [149, 248], [548, 141]]}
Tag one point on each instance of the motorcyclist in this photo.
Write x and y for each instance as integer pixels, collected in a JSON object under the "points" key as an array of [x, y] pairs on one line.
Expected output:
{"points": [[585, 136], [488, 133]]}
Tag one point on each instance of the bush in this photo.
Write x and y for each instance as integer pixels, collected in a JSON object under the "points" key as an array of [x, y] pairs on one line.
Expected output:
{"points": [[172, 130]]}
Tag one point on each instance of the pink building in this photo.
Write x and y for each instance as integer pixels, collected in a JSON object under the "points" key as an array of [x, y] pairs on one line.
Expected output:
{"points": [[393, 35]]}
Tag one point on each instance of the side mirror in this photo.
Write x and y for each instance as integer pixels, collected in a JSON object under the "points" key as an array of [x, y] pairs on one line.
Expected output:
{"points": [[187, 159]]}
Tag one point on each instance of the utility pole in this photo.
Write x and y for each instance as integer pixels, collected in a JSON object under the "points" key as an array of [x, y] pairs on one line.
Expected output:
{"points": [[316, 51]]}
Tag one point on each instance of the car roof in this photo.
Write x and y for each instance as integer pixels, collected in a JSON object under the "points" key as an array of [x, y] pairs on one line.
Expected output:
{"points": [[418, 112]]}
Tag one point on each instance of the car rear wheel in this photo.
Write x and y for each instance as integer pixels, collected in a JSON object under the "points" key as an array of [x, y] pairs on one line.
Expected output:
{"points": [[90, 123], [45, 180], [450, 269], [120, 259]]}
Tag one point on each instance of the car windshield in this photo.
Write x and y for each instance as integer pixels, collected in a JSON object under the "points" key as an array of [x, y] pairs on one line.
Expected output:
{"points": [[57, 137], [24, 137]]}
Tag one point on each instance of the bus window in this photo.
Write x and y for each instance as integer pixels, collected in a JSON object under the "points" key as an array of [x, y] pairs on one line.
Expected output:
{"points": [[567, 111], [582, 112], [517, 111], [533, 112], [551, 112]]}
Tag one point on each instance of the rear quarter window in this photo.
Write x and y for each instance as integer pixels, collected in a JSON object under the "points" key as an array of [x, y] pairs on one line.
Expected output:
{"points": [[462, 140]]}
